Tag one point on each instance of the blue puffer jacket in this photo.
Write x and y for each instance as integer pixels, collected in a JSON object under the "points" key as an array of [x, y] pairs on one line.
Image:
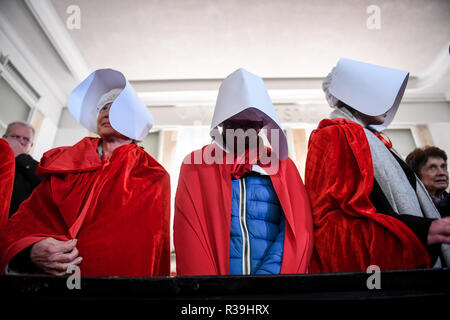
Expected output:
{"points": [[259, 235]]}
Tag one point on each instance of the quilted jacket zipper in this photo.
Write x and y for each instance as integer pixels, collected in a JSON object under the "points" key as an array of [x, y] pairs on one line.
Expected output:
{"points": [[244, 229]]}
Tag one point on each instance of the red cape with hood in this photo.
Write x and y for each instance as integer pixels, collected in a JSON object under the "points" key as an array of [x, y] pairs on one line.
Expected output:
{"points": [[203, 216], [349, 234], [7, 167], [118, 209]]}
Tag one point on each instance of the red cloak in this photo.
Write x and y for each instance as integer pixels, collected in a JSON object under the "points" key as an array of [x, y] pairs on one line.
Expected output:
{"points": [[7, 167], [349, 234], [203, 216], [118, 209]]}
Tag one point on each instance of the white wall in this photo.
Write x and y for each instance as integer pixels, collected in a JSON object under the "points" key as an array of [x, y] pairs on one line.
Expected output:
{"points": [[69, 130], [24, 44], [44, 139], [440, 131]]}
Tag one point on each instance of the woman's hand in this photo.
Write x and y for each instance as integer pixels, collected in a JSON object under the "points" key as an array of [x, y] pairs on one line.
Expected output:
{"points": [[54, 256], [439, 231]]}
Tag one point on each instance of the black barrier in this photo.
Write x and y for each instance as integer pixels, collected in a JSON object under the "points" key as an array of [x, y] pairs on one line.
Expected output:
{"points": [[232, 297]]}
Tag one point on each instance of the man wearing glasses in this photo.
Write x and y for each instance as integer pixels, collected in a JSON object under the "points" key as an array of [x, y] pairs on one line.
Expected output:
{"points": [[19, 136]]}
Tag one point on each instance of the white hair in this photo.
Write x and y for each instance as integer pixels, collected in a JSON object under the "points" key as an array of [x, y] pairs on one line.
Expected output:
{"points": [[332, 100], [108, 97]]}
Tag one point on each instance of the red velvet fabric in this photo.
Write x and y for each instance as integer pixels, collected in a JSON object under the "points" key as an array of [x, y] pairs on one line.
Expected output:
{"points": [[203, 216], [7, 169], [118, 209], [349, 234]]}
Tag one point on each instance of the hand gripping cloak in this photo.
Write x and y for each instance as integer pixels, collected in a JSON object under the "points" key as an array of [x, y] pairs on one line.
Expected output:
{"points": [[118, 209], [349, 234]]}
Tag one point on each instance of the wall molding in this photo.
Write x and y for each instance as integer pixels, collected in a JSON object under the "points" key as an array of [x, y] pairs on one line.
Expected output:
{"points": [[20, 54], [56, 32]]}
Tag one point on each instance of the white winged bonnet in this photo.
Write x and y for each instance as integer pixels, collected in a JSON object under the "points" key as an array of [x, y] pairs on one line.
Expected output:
{"points": [[128, 115], [368, 88], [244, 93]]}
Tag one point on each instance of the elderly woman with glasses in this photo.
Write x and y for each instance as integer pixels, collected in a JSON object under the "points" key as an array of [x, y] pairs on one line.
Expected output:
{"points": [[104, 205]]}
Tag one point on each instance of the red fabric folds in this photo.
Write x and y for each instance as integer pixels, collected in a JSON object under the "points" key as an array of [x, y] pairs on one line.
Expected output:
{"points": [[349, 234], [118, 209], [7, 169], [203, 214]]}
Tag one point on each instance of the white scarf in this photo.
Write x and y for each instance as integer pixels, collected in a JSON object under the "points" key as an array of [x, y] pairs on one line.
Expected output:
{"points": [[395, 184]]}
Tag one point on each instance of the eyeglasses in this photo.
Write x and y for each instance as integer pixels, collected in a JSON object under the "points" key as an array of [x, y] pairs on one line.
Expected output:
{"points": [[105, 108], [17, 137]]}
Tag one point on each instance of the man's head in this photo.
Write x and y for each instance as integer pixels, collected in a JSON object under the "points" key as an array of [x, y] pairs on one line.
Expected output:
{"points": [[430, 165], [21, 132]]}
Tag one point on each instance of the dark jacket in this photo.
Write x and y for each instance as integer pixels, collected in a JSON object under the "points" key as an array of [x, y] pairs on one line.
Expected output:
{"points": [[443, 205], [25, 180]]}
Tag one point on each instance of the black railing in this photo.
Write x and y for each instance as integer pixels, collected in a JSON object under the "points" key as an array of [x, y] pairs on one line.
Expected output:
{"points": [[277, 294]]}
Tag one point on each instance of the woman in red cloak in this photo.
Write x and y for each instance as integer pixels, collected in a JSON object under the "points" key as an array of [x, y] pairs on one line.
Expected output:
{"points": [[266, 227], [368, 206], [104, 204], [7, 166]]}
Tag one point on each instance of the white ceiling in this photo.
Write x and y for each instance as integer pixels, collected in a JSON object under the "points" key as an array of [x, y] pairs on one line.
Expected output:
{"points": [[203, 39]]}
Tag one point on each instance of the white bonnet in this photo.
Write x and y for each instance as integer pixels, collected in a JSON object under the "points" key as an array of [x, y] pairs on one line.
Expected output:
{"points": [[108, 97], [128, 114], [368, 88]]}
